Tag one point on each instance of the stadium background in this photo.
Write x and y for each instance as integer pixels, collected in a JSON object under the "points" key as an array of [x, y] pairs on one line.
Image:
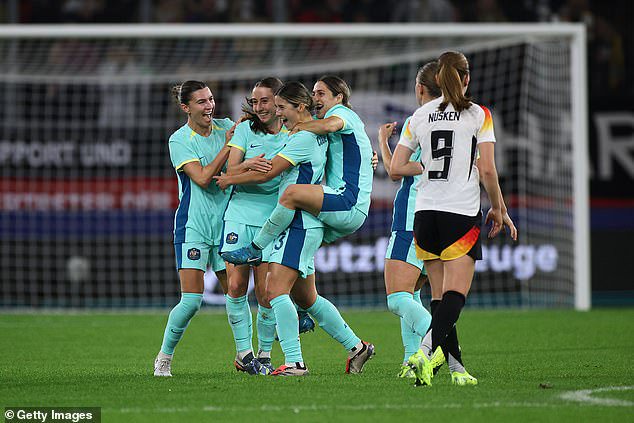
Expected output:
{"points": [[45, 246]]}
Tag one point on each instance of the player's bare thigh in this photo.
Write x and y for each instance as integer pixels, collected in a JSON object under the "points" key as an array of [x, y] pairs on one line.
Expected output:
{"points": [[303, 196], [458, 274], [279, 280]]}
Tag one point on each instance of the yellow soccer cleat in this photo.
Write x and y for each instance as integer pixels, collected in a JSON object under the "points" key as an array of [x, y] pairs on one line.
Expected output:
{"points": [[463, 379], [406, 372]]}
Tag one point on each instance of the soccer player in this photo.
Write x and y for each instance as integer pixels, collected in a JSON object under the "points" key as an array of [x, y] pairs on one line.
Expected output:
{"points": [[451, 131], [343, 203], [262, 135], [403, 270], [302, 161], [198, 151]]}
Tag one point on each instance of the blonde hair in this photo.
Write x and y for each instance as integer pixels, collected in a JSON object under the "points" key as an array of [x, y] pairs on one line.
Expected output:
{"points": [[453, 67]]}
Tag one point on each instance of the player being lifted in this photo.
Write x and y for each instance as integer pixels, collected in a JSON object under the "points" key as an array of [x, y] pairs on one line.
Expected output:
{"points": [[450, 132], [301, 161], [198, 151], [262, 135]]}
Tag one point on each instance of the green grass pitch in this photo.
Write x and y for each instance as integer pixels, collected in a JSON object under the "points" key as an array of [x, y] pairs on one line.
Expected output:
{"points": [[532, 366]]}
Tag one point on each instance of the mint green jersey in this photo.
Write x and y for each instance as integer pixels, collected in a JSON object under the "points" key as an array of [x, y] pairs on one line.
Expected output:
{"points": [[254, 203], [199, 214], [405, 200], [307, 153], [349, 165]]}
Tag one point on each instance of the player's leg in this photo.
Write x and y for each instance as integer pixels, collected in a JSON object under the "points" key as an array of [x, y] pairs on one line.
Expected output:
{"points": [[305, 295], [402, 273], [304, 196], [265, 318], [191, 259], [279, 282]]}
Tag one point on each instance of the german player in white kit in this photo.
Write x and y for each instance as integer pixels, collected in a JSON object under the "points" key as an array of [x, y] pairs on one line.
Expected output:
{"points": [[451, 131]]}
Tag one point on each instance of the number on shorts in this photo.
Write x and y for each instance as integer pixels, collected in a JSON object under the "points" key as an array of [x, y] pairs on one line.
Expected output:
{"points": [[441, 149], [280, 241]]}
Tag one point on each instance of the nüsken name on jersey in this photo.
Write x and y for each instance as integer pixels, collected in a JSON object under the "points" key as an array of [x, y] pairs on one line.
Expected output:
{"points": [[438, 115]]}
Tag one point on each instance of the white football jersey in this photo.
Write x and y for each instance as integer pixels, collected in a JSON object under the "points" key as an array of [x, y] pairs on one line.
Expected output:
{"points": [[448, 142]]}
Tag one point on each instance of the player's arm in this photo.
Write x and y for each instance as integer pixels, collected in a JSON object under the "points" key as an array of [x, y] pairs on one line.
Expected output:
{"points": [[252, 177], [489, 178], [203, 175], [401, 165], [320, 126]]}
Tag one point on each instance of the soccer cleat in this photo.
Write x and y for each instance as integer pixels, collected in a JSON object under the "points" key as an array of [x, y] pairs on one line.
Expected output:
{"points": [[253, 367], [163, 365], [245, 255], [406, 372], [296, 370], [306, 323], [355, 363], [423, 366], [266, 363], [463, 379]]}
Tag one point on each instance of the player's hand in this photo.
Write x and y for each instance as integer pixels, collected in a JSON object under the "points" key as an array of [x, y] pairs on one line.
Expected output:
{"points": [[497, 221], [386, 131], [375, 160], [229, 133], [509, 223], [222, 181], [259, 164]]}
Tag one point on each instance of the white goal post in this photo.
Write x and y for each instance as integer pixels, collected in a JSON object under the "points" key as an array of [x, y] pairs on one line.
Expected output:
{"points": [[73, 175]]}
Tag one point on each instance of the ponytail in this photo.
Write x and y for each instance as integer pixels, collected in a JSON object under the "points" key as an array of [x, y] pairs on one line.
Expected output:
{"points": [[453, 68]]}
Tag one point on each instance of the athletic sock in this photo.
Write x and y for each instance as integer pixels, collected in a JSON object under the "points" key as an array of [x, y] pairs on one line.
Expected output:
{"points": [[414, 319], [454, 364], [332, 323], [178, 320], [280, 219], [445, 318], [266, 329], [239, 316], [451, 345], [287, 328]]}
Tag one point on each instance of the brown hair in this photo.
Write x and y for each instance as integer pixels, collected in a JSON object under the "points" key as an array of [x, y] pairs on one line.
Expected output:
{"points": [[453, 67], [247, 108], [296, 93], [337, 86], [182, 93], [426, 76]]}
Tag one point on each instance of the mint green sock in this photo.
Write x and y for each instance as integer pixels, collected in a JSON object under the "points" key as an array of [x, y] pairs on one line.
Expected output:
{"points": [[414, 317], [280, 219], [266, 328], [178, 320], [411, 340], [287, 328], [330, 320], [239, 316]]}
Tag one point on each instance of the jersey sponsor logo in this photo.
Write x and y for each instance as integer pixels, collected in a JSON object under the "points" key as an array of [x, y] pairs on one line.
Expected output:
{"points": [[193, 254], [438, 115], [322, 139], [231, 238]]}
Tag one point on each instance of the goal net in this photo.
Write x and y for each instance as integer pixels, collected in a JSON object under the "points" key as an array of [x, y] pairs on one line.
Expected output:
{"points": [[87, 193]]}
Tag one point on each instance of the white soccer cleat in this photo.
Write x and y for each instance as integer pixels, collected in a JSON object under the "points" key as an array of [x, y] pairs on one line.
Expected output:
{"points": [[163, 365]]}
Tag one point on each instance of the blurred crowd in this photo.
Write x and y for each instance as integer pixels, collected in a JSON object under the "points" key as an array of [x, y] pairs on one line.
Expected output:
{"points": [[609, 40]]}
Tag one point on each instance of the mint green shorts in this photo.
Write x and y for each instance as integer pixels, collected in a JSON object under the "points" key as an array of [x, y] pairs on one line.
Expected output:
{"points": [[236, 235], [198, 255], [402, 247], [295, 248]]}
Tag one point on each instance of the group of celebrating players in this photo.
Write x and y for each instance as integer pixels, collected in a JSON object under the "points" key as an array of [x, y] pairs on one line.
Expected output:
{"points": [[251, 196]]}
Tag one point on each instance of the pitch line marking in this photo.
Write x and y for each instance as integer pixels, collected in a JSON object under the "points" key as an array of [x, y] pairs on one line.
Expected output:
{"points": [[585, 396]]}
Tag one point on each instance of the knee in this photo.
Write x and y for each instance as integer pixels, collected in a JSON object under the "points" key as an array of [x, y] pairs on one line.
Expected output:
{"points": [[289, 196], [236, 287]]}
